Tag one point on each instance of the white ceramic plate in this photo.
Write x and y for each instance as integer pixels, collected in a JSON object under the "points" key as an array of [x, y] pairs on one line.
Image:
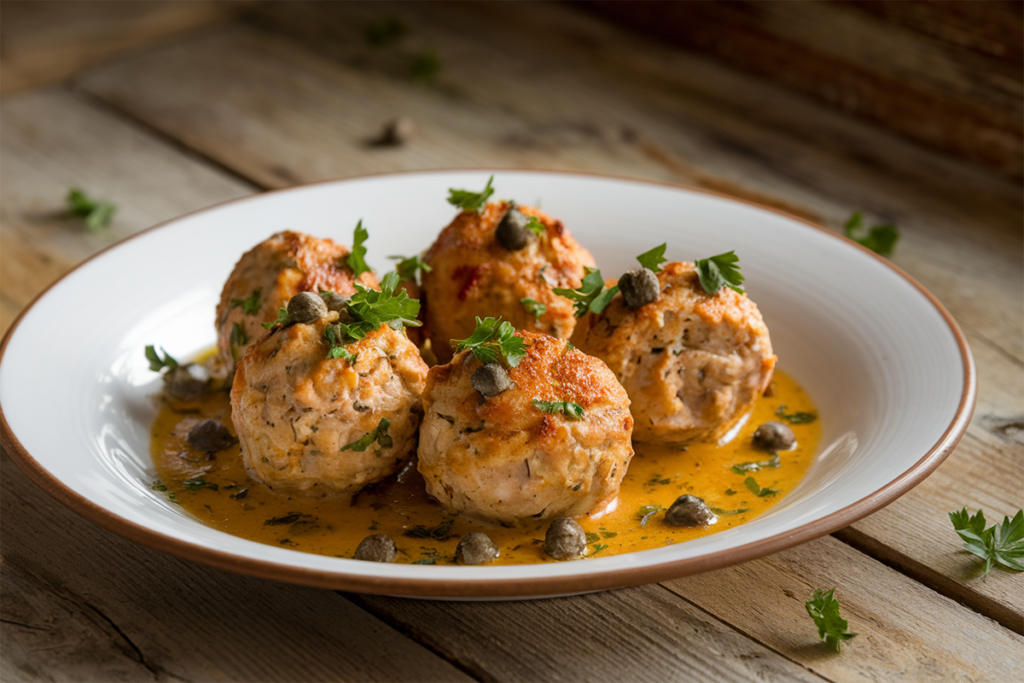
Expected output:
{"points": [[887, 366]]}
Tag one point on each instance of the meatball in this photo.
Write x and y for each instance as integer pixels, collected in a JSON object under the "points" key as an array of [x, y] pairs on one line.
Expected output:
{"points": [[270, 274], [523, 454], [474, 273], [692, 363], [319, 426]]}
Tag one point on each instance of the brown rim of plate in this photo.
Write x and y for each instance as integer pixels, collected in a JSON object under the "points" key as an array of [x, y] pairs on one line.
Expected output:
{"points": [[510, 588]]}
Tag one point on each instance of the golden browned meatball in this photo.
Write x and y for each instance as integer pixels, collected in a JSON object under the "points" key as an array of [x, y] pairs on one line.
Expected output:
{"points": [[504, 459], [693, 364], [298, 411], [271, 273], [473, 274]]}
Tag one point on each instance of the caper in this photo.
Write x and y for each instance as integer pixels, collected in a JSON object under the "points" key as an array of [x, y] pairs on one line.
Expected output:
{"points": [[306, 307], [187, 382], [512, 232], [565, 539], [376, 548], [490, 380], [476, 548], [210, 436], [336, 302], [690, 511], [774, 436], [639, 287]]}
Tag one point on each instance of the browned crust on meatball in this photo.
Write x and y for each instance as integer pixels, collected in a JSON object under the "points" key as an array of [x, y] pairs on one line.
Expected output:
{"points": [[294, 408], [506, 461], [692, 363], [280, 267], [473, 275]]}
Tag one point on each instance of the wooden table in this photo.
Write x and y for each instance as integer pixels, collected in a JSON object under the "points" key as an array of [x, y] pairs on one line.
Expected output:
{"points": [[291, 94]]}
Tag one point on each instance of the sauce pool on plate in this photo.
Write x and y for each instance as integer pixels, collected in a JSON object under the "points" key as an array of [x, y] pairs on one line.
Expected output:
{"points": [[736, 479]]}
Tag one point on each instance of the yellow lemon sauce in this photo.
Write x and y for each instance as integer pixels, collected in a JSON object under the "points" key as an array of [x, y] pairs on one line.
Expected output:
{"points": [[737, 480]]}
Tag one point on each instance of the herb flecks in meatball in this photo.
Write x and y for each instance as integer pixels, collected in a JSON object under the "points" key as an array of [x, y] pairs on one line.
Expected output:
{"points": [[565, 539], [376, 548], [490, 380], [774, 436], [476, 548], [639, 287], [690, 511], [210, 436]]}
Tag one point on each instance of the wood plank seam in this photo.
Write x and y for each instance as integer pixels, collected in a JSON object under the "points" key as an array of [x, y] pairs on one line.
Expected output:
{"points": [[141, 658]]}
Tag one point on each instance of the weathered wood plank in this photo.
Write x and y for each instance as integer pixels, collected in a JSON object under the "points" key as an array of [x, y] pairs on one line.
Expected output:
{"points": [[596, 637], [69, 609], [45, 42], [903, 631], [672, 116]]}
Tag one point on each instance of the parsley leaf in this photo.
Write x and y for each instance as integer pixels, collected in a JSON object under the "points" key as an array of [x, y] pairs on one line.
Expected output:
{"points": [[757, 490], [653, 259], [744, 467], [410, 267], [198, 484], [534, 225], [646, 511], [567, 408], [250, 305], [533, 306], [96, 212], [1000, 544], [379, 434], [737, 511], [493, 340], [334, 336], [824, 610], [424, 66], [718, 271], [356, 260], [470, 201], [598, 547], [370, 309], [156, 364], [880, 239], [592, 296], [441, 532], [282, 319], [795, 418], [239, 337]]}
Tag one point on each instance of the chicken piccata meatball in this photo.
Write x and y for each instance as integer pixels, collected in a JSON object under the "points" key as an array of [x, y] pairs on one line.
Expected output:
{"points": [[314, 425], [270, 274], [486, 264], [550, 440], [692, 363]]}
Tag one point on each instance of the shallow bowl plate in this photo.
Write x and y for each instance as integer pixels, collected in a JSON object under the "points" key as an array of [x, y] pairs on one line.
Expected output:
{"points": [[888, 367]]}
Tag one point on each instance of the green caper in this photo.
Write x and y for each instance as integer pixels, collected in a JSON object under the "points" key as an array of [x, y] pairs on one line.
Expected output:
{"points": [[690, 511], [476, 548], [306, 307], [565, 539], [639, 287], [376, 548], [490, 380]]}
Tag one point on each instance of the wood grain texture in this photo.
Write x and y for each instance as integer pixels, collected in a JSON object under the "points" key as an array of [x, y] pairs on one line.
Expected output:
{"points": [[46, 41], [903, 632], [545, 104], [946, 74]]}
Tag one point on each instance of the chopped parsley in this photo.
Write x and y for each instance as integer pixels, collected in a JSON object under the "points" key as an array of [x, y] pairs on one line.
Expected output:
{"points": [[534, 307], [250, 305], [720, 511], [410, 267], [441, 532], [592, 296], [567, 408], [752, 484], [492, 341], [1000, 545], [357, 259], [744, 467], [647, 511], [338, 350], [96, 212], [535, 226], [653, 259], [156, 363], [719, 271], [424, 66], [239, 337], [379, 434], [198, 484], [370, 309], [290, 518], [824, 610], [598, 547], [282, 319], [471, 201], [592, 537], [795, 418], [880, 239]]}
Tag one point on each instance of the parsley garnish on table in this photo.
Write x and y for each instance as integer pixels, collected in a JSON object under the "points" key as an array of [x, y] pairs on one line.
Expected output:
{"points": [[880, 239], [471, 201], [720, 271], [357, 259], [592, 296], [1000, 545], [96, 212], [824, 610], [492, 341]]}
